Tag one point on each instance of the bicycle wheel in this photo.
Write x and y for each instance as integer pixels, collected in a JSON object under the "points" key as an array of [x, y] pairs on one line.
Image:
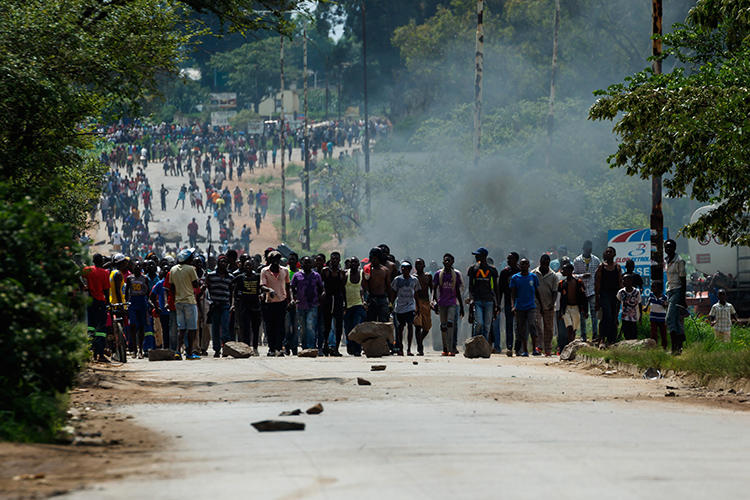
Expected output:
{"points": [[120, 353]]}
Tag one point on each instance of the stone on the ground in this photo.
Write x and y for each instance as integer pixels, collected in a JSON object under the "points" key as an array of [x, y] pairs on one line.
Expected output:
{"points": [[308, 353], [161, 355], [570, 350], [278, 425], [637, 344], [377, 368], [652, 374], [237, 350], [371, 330], [292, 413], [376, 347], [477, 347], [315, 410], [362, 381]]}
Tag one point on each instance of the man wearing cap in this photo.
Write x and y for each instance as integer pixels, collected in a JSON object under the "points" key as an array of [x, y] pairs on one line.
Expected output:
{"points": [[182, 280], [275, 277], [483, 287]]}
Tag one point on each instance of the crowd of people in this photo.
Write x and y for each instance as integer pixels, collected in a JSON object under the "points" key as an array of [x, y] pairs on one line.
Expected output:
{"points": [[290, 304]]}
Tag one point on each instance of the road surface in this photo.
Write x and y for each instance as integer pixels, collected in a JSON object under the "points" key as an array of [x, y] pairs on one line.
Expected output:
{"points": [[442, 428]]}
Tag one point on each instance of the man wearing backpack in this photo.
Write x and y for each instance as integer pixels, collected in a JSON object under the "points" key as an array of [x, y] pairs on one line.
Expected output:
{"points": [[447, 296]]}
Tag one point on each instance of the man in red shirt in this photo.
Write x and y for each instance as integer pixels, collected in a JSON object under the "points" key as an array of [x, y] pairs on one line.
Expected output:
{"points": [[97, 283], [192, 230]]}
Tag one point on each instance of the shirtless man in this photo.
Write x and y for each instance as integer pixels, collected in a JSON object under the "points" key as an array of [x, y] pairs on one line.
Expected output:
{"points": [[376, 284], [332, 305], [423, 318]]}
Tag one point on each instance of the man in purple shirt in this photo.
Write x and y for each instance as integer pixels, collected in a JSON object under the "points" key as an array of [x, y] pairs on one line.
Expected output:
{"points": [[307, 289], [447, 284]]}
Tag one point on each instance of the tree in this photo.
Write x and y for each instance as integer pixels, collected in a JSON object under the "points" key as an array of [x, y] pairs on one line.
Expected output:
{"points": [[690, 125]]}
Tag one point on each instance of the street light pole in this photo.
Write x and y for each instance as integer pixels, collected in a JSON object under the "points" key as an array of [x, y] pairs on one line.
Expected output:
{"points": [[367, 117], [657, 217], [478, 73], [283, 148], [307, 145]]}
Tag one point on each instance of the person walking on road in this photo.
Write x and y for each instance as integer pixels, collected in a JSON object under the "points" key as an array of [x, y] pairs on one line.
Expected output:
{"points": [[219, 283], [572, 299], [307, 289], [182, 281], [163, 192], [607, 282], [276, 278], [545, 320], [584, 267], [192, 230], [483, 286], [404, 289], [504, 291], [208, 230], [447, 284], [524, 287], [423, 316]]}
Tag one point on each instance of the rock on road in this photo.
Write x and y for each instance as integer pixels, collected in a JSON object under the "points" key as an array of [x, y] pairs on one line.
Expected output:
{"points": [[445, 428]]}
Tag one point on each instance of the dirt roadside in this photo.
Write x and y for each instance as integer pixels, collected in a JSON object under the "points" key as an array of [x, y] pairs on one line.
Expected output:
{"points": [[110, 446]]}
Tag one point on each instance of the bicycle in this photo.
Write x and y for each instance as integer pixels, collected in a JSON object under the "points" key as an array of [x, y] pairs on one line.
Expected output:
{"points": [[116, 340]]}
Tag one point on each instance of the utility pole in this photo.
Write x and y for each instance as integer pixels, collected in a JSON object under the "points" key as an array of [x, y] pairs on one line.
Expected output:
{"points": [[327, 92], [283, 148], [478, 70], [657, 217], [551, 109], [307, 143], [367, 117], [338, 94]]}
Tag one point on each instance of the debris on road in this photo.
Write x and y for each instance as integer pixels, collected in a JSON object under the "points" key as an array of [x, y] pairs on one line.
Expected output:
{"points": [[610, 372], [308, 353], [375, 338], [161, 355], [570, 350], [292, 413], [652, 374], [28, 477], [415, 362], [278, 425], [670, 394], [315, 410], [377, 368], [477, 347], [361, 381], [237, 350]]}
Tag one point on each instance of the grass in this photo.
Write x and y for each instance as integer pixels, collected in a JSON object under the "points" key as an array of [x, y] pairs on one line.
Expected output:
{"points": [[703, 355]]}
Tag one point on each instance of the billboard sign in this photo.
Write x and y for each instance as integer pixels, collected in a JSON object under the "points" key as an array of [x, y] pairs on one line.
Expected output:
{"points": [[634, 244]]}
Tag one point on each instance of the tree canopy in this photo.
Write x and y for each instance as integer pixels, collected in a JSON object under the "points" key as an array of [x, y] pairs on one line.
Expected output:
{"points": [[690, 124]]}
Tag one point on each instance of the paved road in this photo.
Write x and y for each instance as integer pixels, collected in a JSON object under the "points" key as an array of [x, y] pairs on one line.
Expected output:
{"points": [[445, 428]]}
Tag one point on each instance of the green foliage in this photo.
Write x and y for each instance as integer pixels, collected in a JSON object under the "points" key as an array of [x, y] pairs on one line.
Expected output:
{"points": [[690, 124], [243, 118], [42, 343]]}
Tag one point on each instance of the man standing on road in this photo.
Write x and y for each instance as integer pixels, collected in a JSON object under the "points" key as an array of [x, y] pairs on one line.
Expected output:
{"points": [[182, 281], [376, 284], [676, 287], [208, 230], [584, 267], [572, 297], [423, 317], [333, 302], [548, 283], [483, 287], [163, 194], [447, 284], [504, 291], [219, 283], [258, 219], [192, 230], [307, 289], [405, 286], [524, 287], [355, 309], [275, 277]]}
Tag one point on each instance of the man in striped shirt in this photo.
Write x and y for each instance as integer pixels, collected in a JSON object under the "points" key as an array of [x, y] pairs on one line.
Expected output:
{"points": [[219, 283]]}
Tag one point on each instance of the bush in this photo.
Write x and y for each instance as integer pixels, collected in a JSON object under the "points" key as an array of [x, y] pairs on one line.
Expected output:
{"points": [[42, 342]]}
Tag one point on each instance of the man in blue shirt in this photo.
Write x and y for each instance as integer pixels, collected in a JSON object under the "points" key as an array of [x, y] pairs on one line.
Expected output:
{"points": [[524, 288]]}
